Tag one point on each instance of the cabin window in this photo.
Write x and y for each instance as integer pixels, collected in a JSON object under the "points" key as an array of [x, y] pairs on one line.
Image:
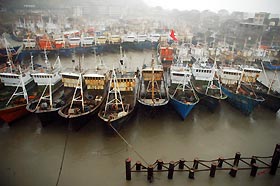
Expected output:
{"points": [[175, 74]]}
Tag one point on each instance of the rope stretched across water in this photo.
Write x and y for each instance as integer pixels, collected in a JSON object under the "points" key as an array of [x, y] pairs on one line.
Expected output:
{"points": [[128, 144]]}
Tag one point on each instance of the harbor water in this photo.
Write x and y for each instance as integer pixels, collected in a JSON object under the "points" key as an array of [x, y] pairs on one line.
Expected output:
{"points": [[50, 156]]}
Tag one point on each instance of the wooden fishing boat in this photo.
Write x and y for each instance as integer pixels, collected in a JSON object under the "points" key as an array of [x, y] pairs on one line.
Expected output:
{"points": [[121, 97], [153, 89], [89, 93]]}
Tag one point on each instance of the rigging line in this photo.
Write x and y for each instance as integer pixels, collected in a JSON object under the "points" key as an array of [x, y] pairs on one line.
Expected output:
{"points": [[62, 159], [129, 145]]}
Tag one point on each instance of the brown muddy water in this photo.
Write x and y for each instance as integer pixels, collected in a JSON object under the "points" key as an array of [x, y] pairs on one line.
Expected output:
{"points": [[33, 156]]}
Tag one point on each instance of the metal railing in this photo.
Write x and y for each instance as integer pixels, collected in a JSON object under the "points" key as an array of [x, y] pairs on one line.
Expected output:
{"points": [[238, 163]]}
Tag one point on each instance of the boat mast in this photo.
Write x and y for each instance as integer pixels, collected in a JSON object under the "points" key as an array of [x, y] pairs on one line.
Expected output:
{"points": [[79, 98], [47, 60], [47, 97], [153, 81], [31, 61], [117, 94], [239, 82], [121, 60], [9, 55]]}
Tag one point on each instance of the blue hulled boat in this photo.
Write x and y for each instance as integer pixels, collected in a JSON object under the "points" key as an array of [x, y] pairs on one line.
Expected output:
{"points": [[182, 95], [270, 66], [233, 82], [242, 101]]}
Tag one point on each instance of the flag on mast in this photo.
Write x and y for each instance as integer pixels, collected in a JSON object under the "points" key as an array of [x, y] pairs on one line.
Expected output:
{"points": [[172, 35]]}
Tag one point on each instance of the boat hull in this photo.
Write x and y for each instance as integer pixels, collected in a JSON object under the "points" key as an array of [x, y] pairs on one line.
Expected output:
{"points": [[10, 114], [183, 109], [210, 102], [77, 121], [118, 123], [48, 116], [45, 116], [270, 66], [243, 103], [271, 102], [271, 99]]}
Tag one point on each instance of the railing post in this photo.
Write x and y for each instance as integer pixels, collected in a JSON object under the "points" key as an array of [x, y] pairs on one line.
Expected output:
{"points": [[150, 173], [253, 160], [138, 165], [195, 163], [254, 170], [159, 164], [275, 162], [181, 164], [191, 174], [170, 170], [220, 162], [277, 146], [236, 159], [128, 168], [213, 169], [233, 171]]}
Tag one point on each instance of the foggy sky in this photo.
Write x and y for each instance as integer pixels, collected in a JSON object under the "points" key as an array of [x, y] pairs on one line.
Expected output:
{"points": [[271, 6]]}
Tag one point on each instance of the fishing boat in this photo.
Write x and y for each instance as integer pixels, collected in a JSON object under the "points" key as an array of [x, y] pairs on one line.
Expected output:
{"points": [[121, 97], [6, 49], [206, 84], [165, 55], [53, 96], [154, 39], [29, 47], [85, 46], [271, 64], [61, 47], [142, 42], [153, 89], [129, 41], [271, 96], [89, 93], [182, 94], [19, 89], [233, 79]]}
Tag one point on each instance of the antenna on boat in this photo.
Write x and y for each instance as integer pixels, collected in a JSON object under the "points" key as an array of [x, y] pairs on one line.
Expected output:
{"points": [[31, 61], [47, 60], [121, 60], [57, 64], [9, 55]]}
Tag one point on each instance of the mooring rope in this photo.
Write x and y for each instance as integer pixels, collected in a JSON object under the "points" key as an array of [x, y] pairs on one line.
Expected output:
{"points": [[62, 159], [128, 144]]}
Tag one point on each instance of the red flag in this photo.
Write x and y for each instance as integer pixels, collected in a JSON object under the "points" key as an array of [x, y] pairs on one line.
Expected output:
{"points": [[172, 35]]}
